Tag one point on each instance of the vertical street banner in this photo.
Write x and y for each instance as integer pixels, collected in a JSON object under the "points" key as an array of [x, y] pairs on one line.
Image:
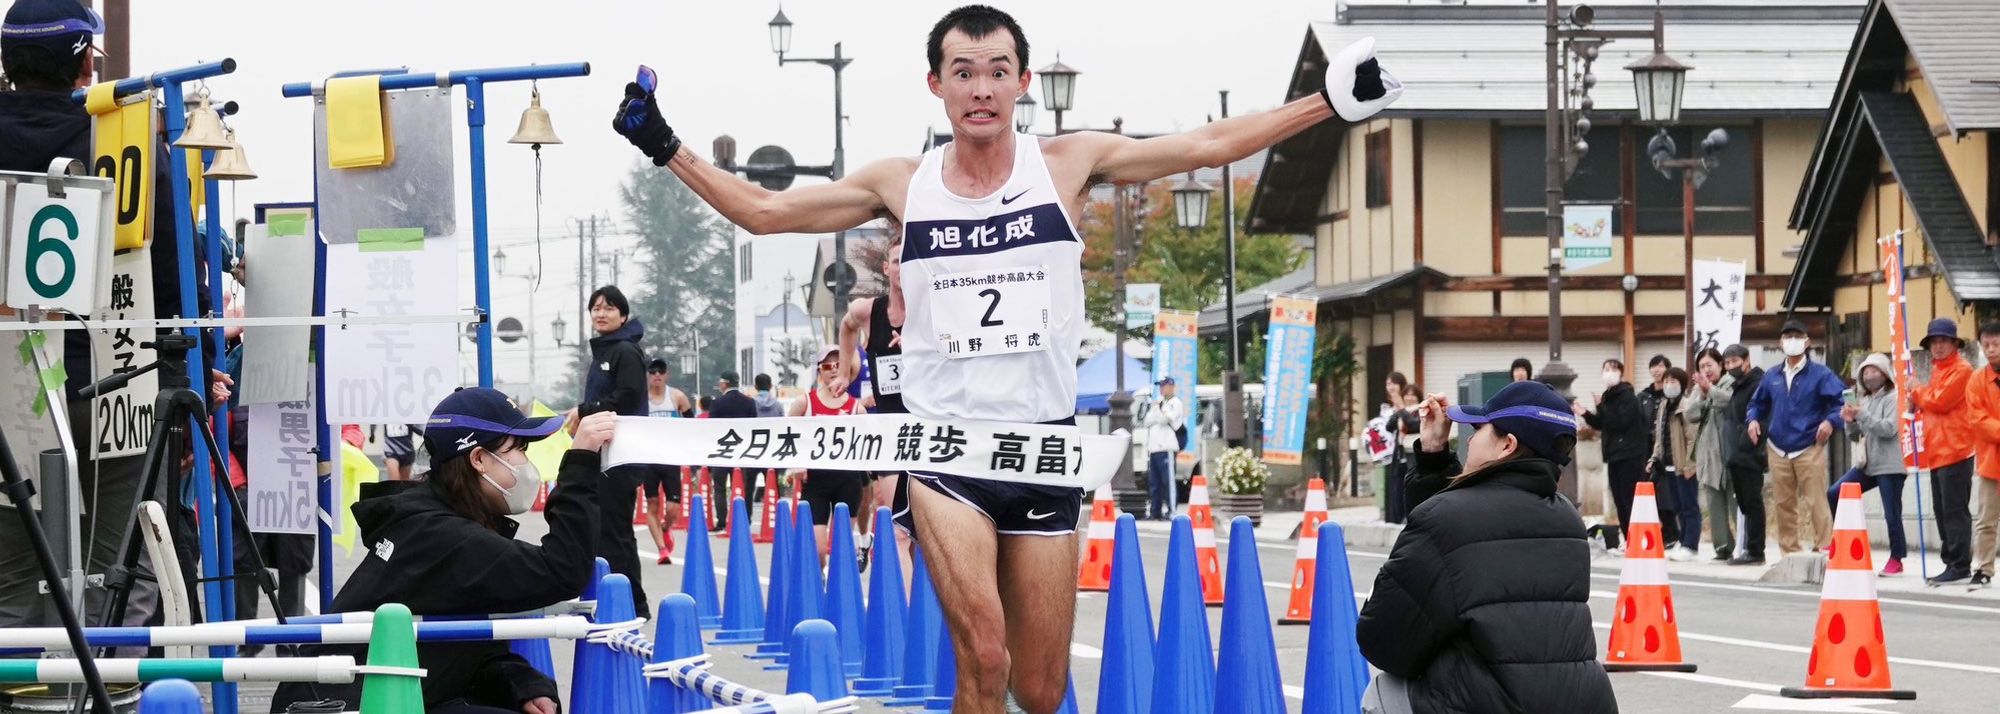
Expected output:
{"points": [[1142, 304], [1586, 236], [121, 421], [123, 152], [283, 471], [1288, 358], [390, 373], [1716, 291], [1175, 354], [1899, 343]]}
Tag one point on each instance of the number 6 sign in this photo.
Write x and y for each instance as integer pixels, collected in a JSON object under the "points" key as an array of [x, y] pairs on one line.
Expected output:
{"points": [[57, 247]]}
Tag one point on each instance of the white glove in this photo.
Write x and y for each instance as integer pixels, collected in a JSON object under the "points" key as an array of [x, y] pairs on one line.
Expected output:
{"points": [[1353, 66]]}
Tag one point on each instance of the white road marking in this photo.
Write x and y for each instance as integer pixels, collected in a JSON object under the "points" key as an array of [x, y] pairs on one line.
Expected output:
{"points": [[1295, 692], [1079, 649], [1814, 594], [1766, 702], [1739, 642], [1720, 681]]}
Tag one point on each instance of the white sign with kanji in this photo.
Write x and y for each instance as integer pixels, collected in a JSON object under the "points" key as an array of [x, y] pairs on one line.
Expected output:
{"points": [[122, 421], [283, 468], [390, 373], [1716, 289]]}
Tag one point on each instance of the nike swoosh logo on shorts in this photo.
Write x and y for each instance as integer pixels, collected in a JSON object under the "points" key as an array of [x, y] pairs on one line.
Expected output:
{"points": [[1036, 517], [1004, 200]]}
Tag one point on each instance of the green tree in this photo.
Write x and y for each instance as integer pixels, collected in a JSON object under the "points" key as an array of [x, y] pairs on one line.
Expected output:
{"points": [[1188, 265], [683, 283]]}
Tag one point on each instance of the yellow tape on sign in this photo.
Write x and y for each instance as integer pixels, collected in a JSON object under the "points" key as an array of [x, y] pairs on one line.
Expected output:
{"points": [[124, 154], [357, 135]]}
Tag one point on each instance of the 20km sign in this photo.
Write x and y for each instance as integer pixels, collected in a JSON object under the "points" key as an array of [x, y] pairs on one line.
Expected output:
{"points": [[54, 253]]}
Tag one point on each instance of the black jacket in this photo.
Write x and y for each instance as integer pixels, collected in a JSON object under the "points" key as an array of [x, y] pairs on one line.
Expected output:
{"points": [[1484, 603], [423, 554], [733, 404], [617, 381], [1622, 421], [1742, 453]]}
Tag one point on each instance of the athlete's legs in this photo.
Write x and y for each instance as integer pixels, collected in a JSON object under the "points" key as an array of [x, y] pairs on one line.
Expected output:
{"points": [[962, 555], [1038, 593]]}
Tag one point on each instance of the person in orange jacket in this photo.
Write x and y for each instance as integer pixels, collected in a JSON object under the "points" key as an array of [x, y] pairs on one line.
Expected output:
{"points": [[1983, 398], [1947, 447]]}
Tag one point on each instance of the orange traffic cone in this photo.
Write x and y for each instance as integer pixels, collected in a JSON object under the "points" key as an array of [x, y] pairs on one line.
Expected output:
{"points": [[765, 530], [1096, 571], [639, 507], [1207, 563], [687, 482], [1645, 635], [542, 497], [1849, 656], [1299, 612]]}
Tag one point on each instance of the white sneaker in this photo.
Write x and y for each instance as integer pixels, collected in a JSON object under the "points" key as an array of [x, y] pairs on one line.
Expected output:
{"points": [[1681, 555]]}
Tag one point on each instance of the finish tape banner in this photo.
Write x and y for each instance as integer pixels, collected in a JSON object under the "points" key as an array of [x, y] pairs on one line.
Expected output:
{"points": [[1043, 454]]}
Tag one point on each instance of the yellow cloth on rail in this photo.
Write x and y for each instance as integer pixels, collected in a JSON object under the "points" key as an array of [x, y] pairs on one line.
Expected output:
{"points": [[547, 454], [357, 127], [355, 469]]}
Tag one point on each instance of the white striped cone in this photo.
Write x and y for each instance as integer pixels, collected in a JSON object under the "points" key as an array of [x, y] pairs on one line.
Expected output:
{"points": [[1208, 562], [1850, 657], [1095, 573], [1645, 631], [1306, 564]]}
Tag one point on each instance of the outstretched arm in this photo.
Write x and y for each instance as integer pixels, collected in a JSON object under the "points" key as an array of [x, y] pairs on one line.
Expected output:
{"points": [[853, 329]]}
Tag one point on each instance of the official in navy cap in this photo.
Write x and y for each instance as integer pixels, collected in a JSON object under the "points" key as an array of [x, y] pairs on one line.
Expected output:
{"points": [[1483, 605], [445, 544]]}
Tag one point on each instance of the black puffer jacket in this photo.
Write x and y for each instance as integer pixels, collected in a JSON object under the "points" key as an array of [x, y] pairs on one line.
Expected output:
{"points": [[1743, 454], [1484, 603], [423, 554], [1622, 420], [617, 380]]}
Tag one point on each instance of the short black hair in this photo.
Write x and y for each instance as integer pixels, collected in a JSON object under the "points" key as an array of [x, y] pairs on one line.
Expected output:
{"points": [[706, 401], [1522, 363], [612, 296], [1708, 353], [763, 382], [1620, 364], [1660, 361], [35, 67], [657, 365], [1990, 327], [1737, 351], [976, 21]]}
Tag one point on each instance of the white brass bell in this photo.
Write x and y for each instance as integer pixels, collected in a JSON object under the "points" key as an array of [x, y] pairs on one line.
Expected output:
{"points": [[229, 164], [535, 126], [204, 127]]}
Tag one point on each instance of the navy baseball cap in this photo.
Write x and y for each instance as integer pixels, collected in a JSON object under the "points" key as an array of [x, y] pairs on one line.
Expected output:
{"points": [[479, 417], [1941, 327], [59, 25], [1531, 411]]}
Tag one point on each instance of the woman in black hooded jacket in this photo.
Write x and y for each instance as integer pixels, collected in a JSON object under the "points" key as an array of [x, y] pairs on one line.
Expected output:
{"points": [[1621, 419]]}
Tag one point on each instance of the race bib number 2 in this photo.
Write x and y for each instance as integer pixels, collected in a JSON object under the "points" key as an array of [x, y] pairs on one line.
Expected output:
{"points": [[991, 312]]}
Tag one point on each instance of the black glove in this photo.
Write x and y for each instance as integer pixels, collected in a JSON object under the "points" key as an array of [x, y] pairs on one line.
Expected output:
{"points": [[639, 121]]}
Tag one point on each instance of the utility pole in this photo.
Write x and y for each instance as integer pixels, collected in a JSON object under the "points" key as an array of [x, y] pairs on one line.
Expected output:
{"points": [[593, 255], [117, 39], [582, 304]]}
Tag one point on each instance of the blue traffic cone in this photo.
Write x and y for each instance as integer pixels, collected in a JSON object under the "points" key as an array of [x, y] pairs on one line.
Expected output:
{"points": [[842, 604], [743, 603], [599, 568], [536, 652], [920, 637], [945, 686], [776, 630], [807, 588], [1125, 685], [1069, 705], [1183, 671], [816, 667], [1336, 674], [698, 569], [1248, 660], [608, 681], [170, 696], [676, 635], [882, 652]]}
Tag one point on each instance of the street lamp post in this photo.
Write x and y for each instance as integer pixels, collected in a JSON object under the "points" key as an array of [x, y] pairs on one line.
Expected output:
{"points": [[1059, 89], [781, 43], [1657, 83]]}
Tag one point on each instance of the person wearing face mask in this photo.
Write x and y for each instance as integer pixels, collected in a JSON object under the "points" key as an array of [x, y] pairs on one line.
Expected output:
{"points": [[1483, 604], [445, 545], [1874, 417], [1705, 408], [1798, 407], [1744, 457], [1673, 467], [1947, 449], [1621, 421]]}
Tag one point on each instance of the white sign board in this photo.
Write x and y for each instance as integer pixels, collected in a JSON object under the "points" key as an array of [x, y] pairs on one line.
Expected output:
{"points": [[57, 248], [390, 374], [24, 414], [279, 284], [122, 421], [283, 470], [1586, 236], [1716, 289], [1142, 304]]}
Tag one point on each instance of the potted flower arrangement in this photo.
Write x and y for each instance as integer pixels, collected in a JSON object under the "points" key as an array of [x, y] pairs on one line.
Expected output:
{"points": [[1240, 486]]}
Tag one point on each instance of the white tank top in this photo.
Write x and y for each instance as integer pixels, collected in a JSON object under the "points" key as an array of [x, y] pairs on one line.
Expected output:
{"points": [[994, 294]]}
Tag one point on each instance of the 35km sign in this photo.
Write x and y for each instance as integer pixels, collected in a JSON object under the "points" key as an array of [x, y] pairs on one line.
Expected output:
{"points": [[55, 252]]}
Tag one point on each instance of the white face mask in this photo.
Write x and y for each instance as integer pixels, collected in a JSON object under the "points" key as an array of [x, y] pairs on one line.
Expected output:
{"points": [[1673, 391], [1611, 379], [527, 484], [1794, 346]]}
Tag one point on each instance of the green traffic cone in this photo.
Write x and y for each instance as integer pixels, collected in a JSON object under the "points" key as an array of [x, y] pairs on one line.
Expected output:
{"points": [[392, 642]]}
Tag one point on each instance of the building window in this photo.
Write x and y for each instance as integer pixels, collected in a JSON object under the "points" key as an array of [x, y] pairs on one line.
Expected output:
{"points": [[1523, 173], [1378, 168], [1721, 204], [743, 263]]}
